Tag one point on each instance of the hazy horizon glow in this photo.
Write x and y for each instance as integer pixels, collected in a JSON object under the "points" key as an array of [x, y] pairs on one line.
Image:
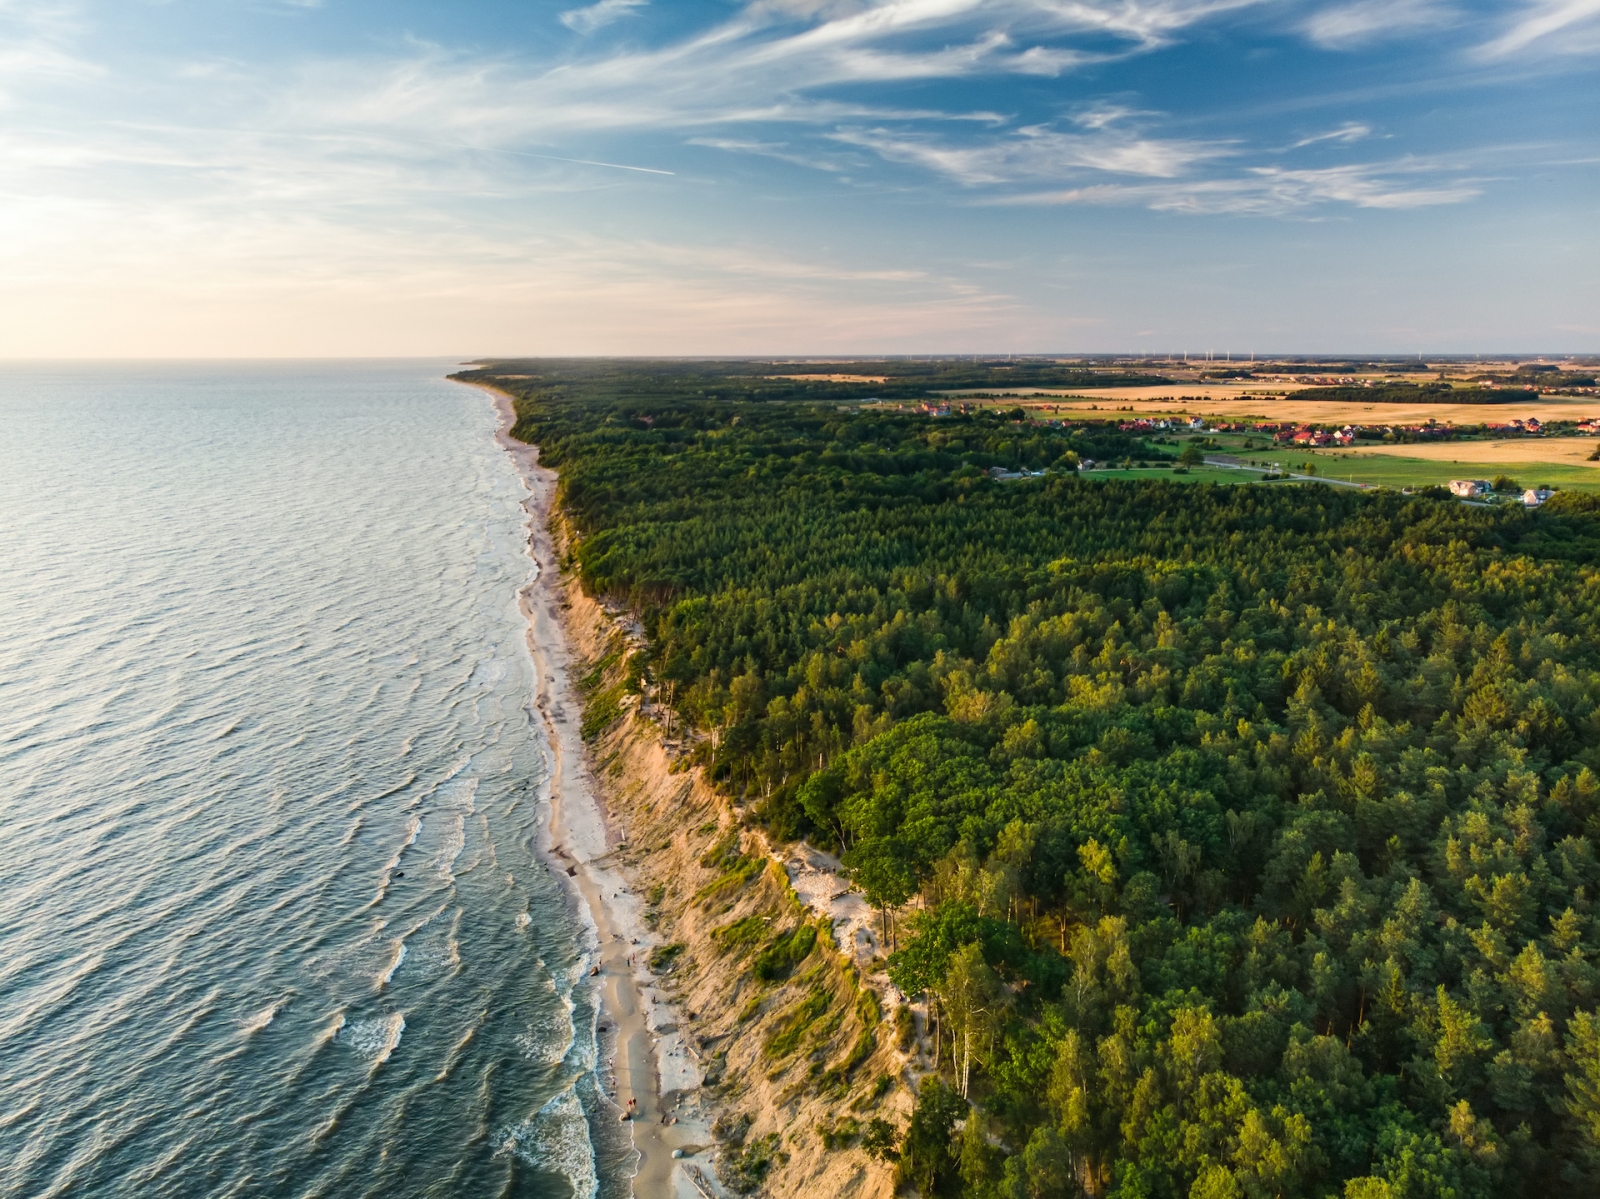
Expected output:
{"points": [[798, 176]]}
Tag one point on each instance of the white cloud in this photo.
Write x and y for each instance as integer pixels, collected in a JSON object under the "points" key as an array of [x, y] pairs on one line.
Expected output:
{"points": [[1275, 191], [767, 62], [179, 211], [781, 151], [36, 47], [1577, 21], [1037, 152], [1350, 25], [587, 20], [1350, 131]]}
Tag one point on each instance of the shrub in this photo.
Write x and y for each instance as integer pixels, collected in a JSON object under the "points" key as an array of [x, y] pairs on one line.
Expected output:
{"points": [[881, 1140]]}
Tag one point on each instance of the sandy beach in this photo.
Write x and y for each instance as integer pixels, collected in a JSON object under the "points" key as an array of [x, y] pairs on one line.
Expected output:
{"points": [[581, 839]]}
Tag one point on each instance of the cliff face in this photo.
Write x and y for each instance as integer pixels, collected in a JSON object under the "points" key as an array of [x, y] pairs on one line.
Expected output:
{"points": [[796, 1055]]}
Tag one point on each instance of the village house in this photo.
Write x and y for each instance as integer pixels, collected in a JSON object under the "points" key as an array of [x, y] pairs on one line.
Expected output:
{"points": [[1535, 496], [1470, 488]]}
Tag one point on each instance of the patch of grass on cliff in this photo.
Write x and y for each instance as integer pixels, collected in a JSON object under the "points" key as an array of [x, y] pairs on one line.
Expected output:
{"points": [[870, 1013], [663, 956], [729, 881], [786, 952], [786, 1038], [741, 936], [877, 1091], [602, 701], [737, 868], [744, 1171], [724, 853], [838, 1134]]}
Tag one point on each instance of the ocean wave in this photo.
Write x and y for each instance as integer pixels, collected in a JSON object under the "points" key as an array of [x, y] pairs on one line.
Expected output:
{"points": [[412, 830], [455, 840], [251, 1025], [394, 964], [556, 1139], [453, 1056], [374, 1038], [549, 1036]]}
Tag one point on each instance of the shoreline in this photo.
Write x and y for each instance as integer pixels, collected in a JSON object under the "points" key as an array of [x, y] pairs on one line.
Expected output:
{"points": [[580, 838], [648, 825]]}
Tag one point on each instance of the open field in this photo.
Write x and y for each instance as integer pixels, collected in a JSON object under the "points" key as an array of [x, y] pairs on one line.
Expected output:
{"points": [[1514, 450], [1560, 462], [1237, 403], [1221, 393]]}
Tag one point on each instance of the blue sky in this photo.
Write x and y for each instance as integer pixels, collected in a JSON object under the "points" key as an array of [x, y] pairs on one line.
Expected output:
{"points": [[798, 176]]}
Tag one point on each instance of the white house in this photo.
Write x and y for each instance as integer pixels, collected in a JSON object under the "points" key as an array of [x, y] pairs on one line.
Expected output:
{"points": [[1535, 496], [1470, 488]]}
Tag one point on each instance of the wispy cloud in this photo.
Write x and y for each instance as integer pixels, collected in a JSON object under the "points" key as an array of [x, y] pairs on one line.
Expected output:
{"points": [[767, 62], [37, 46], [1350, 131], [1036, 152], [587, 20], [1577, 21], [394, 172], [780, 151], [1348, 26], [1274, 191]]}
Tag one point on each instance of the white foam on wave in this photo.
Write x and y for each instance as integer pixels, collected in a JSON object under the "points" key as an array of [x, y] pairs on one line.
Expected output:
{"points": [[394, 964], [376, 1038], [548, 1037], [394, 1026], [455, 840], [411, 837], [556, 1139], [254, 1024]]}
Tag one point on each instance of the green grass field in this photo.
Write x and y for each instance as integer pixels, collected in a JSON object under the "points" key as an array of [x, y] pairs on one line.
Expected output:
{"points": [[1386, 470]]}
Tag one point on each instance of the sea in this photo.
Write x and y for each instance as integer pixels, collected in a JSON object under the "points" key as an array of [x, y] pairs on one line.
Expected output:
{"points": [[273, 916]]}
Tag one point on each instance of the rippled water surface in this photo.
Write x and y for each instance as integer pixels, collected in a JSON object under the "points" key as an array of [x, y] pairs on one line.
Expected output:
{"points": [[271, 917]]}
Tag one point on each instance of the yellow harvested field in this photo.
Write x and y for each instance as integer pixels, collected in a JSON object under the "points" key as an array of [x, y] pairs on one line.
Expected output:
{"points": [[1150, 401], [1515, 451], [1212, 392]]}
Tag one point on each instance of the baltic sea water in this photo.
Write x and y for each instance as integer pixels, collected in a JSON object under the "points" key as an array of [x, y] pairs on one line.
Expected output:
{"points": [[272, 916]]}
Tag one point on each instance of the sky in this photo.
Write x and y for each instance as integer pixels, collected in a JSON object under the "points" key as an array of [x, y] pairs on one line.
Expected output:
{"points": [[804, 177]]}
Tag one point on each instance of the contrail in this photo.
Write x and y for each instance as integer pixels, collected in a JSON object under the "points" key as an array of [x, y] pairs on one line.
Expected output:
{"points": [[589, 162]]}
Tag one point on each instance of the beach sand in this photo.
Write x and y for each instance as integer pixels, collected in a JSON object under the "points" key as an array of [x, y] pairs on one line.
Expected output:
{"points": [[581, 841]]}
